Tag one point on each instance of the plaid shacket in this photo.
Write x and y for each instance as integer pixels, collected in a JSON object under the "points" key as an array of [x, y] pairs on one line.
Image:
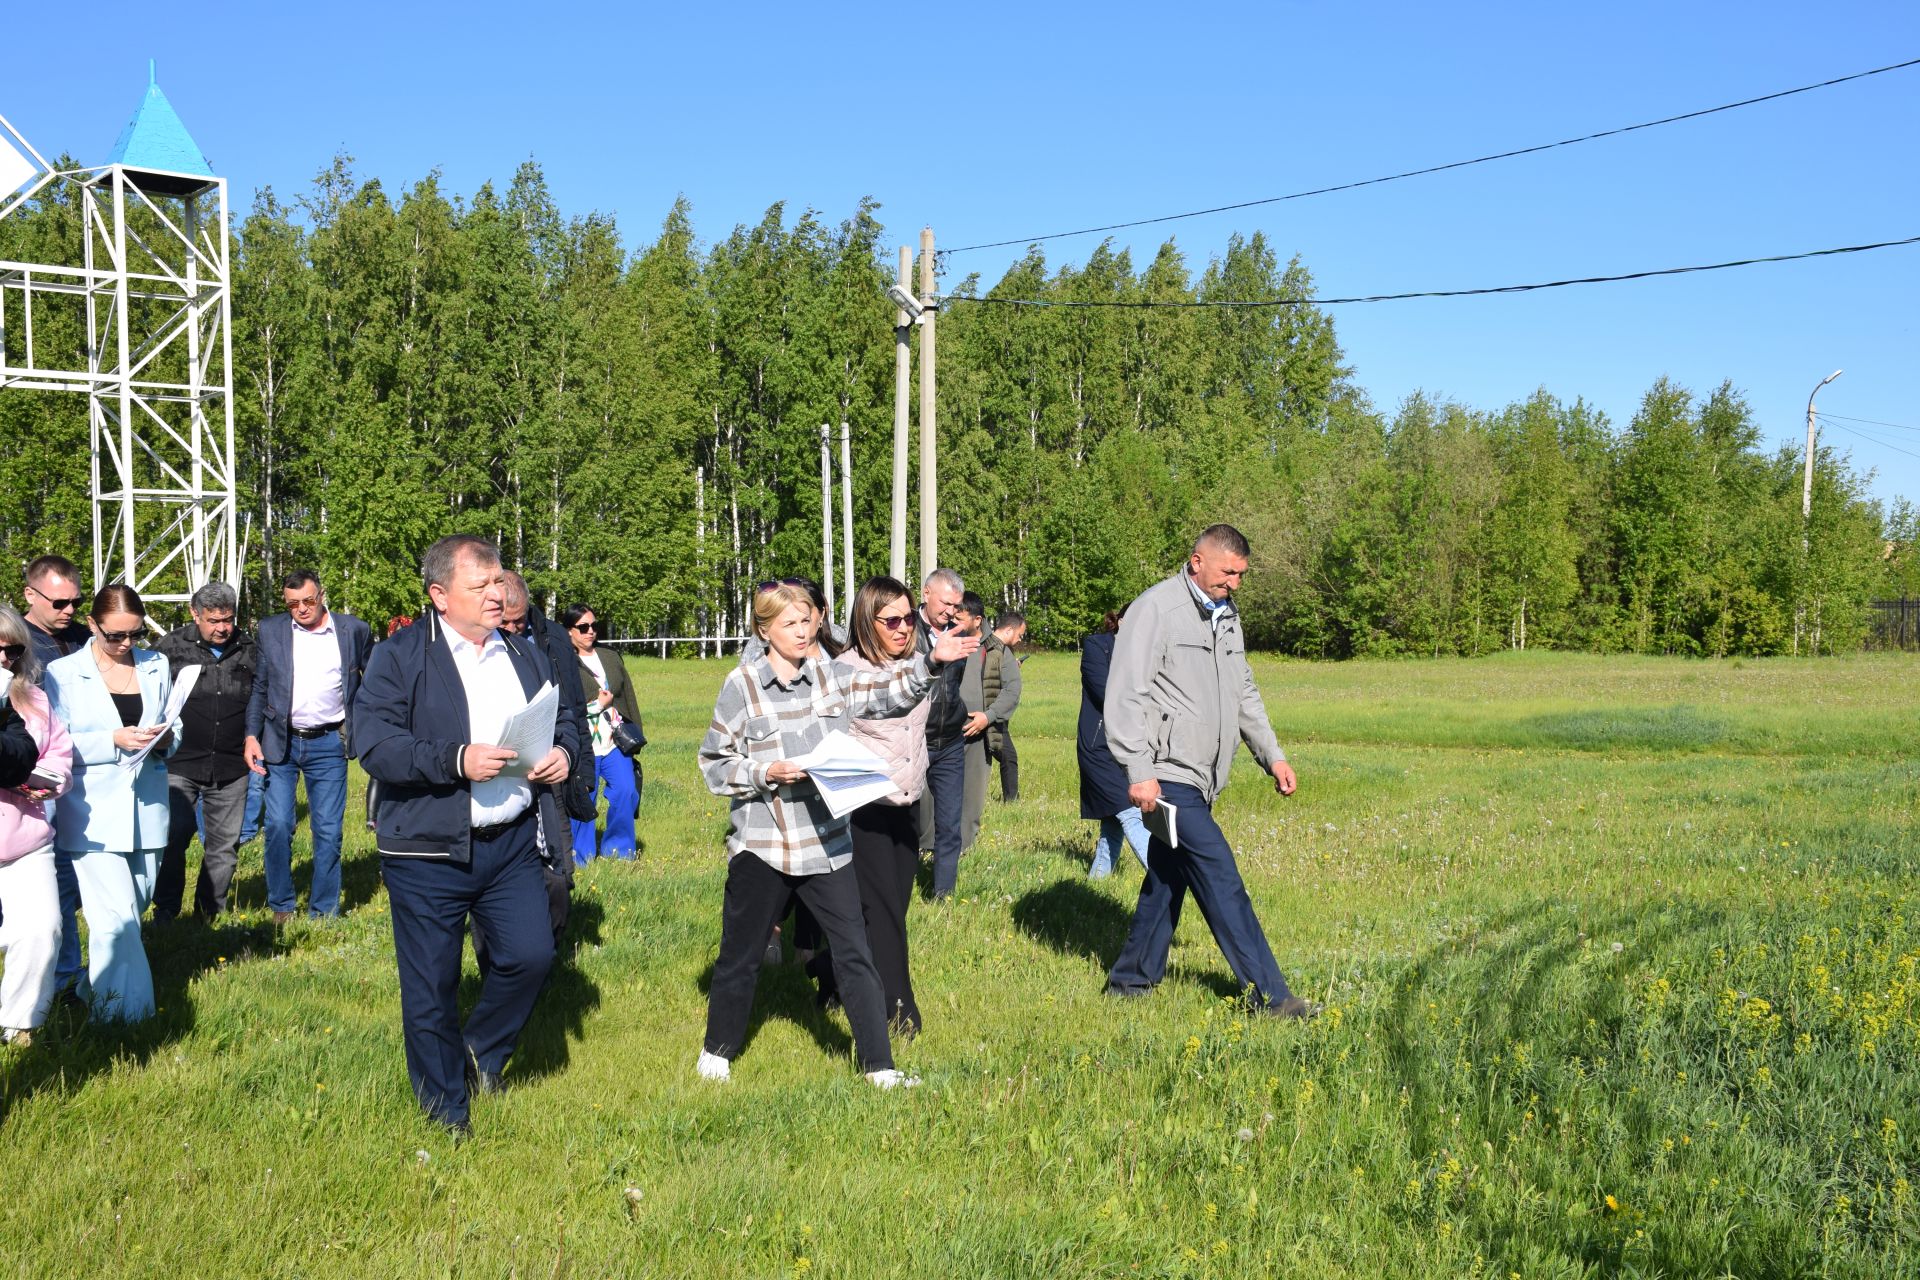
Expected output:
{"points": [[759, 719]]}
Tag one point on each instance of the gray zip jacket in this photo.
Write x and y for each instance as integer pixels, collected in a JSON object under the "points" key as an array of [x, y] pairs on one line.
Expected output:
{"points": [[1180, 695]]}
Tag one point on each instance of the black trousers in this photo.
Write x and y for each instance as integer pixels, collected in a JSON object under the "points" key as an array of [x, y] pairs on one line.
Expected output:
{"points": [[756, 897], [884, 865], [1009, 757]]}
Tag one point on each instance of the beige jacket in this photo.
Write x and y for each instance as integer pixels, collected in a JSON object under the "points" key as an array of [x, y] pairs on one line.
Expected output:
{"points": [[901, 741]]}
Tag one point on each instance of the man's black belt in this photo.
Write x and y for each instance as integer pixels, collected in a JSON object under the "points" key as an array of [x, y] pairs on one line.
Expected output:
{"points": [[499, 829], [318, 730]]}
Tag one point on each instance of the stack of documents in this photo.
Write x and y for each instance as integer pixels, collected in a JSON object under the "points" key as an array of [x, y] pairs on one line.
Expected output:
{"points": [[529, 732], [169, 717], [847, 773]]}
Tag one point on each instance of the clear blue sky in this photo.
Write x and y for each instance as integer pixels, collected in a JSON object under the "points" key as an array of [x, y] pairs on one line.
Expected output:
{"points": [[1033, 118]]}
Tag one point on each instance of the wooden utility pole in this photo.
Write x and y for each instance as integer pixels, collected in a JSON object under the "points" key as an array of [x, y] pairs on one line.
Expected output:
{"points": [[902, 366], [826, 515], [929, 486], [846, 518]]}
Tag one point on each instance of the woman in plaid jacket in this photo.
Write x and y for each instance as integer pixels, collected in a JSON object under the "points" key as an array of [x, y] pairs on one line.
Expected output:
{"points": [[783, 841]]}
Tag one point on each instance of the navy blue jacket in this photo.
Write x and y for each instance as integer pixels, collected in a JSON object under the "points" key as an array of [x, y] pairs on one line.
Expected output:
{"points": [[1103, 783], [270, 710], [410, 728]]}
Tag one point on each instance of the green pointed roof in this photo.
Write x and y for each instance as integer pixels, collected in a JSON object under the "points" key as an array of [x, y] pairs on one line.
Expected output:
{"points": [[156, 140]]}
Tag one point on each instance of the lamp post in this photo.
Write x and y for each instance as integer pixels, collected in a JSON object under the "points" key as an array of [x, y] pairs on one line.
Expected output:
{"points": [[1806, 486]]}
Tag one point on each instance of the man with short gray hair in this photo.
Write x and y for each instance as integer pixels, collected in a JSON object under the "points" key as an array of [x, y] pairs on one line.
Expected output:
{"points": [[943, 812], [1180, 701], [208, 773]]}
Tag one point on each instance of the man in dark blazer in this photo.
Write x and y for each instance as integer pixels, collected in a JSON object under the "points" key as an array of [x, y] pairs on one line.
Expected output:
{"points": [[464, 824], [300, 724]]}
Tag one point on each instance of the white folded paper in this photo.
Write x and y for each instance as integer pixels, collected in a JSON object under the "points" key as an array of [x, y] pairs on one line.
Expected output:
{"points": [[169, 720], [846, 772], [529, 732]]}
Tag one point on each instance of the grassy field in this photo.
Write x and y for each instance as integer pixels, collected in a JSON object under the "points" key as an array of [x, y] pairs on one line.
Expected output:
{"points": [[1620, 957]]}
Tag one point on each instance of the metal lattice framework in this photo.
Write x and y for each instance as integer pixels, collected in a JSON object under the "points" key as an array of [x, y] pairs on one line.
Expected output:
{"points": [[154, 291]]}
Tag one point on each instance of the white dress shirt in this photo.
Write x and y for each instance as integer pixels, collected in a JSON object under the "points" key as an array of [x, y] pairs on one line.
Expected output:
{"points": [[493, 694], [319, 696]]}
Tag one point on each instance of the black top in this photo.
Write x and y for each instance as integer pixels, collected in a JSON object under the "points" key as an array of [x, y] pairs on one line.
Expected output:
{"points": [[213, 726], [947, 713], [129, 705]]}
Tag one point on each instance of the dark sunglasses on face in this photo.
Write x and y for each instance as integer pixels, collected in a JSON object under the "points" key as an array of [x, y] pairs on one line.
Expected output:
{"points": [[118, 637], [12, 652], [894, 624], [586, 628], [72, 603]]}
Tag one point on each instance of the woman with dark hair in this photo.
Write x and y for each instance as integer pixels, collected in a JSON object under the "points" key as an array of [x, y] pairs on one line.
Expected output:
{"points": [[29, 892], [1103, 783], [112, 825], [608, 696], [886, 831]]}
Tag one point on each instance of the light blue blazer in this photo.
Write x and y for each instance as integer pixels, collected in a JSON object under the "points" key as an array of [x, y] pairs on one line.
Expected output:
{"points": [[108, 807]]}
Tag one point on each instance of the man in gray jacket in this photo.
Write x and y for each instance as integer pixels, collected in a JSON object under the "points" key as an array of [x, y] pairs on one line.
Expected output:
{"points": [[1180, 700]]}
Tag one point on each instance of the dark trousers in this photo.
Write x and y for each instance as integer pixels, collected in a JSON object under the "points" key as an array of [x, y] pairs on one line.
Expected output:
{"points": [[221, 805], [431, 899], [946, 793], [757, 896], [885, 861], [1001, 748], [1204, 864]]}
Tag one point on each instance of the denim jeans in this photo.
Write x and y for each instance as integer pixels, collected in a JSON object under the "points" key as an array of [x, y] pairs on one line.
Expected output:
{"points": [[322, 761], [256, 804], [1125, 825]]}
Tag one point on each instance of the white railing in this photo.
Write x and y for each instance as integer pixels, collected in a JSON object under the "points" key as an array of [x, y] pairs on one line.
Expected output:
{"points": [[718, 642]]}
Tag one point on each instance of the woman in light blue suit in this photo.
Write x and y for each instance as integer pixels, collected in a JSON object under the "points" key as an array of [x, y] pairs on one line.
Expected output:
{"points": [[112, 826]]}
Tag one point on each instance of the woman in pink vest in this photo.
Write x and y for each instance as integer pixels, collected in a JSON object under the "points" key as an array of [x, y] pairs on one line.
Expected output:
{"points": [[29, 898]]}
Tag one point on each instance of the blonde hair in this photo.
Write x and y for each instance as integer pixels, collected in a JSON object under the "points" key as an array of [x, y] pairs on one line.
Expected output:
{"points": [[773, 601]]}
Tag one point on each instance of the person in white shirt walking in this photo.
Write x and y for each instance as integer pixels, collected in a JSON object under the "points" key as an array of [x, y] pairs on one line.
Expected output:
{"points": [[299, 726]]}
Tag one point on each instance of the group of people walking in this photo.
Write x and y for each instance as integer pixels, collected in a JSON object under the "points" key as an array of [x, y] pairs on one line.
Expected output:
{"points": [[471, 835]]}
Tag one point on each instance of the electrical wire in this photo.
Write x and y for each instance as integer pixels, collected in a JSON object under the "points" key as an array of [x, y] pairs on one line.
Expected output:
{"points": [[1870, 440], [1897, 426], [1438, 168], [1253, 304]]}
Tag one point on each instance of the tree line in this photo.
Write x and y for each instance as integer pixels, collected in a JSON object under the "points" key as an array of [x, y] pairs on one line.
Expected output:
{"points": [[637, 426]]}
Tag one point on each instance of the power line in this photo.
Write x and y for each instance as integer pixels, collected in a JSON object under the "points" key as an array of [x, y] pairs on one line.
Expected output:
{"points": [[1897, 426], [1438, 168], [1250, 304], [1870, 440]]}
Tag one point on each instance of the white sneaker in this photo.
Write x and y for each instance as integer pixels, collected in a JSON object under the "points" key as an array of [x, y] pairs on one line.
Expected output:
{"points": [[713, 1067], [892, 1079]]}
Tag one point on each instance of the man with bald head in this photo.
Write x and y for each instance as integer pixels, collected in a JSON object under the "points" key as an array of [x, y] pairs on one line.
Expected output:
{"points": [[1180, 700]]}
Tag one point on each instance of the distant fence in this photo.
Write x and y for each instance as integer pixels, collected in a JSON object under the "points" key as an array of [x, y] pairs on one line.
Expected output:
{"points": [[717, 645], [1895, 625]]}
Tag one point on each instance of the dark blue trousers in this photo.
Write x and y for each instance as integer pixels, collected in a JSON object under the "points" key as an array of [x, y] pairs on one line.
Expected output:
{"points": [[430, 899], [1203, 864], [947, 789]]}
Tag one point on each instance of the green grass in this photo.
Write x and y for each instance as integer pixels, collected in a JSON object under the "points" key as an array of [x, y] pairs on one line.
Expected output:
{"points": [[1620, 957]]}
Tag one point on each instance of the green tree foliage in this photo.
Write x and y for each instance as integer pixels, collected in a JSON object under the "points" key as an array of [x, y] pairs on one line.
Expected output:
{"points": [[639, 430]]}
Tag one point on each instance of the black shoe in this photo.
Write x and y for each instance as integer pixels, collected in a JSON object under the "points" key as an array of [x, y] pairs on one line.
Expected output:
{"points": [[458, 1130], [479, 1081], [1294, 1007], [1119, 992]]}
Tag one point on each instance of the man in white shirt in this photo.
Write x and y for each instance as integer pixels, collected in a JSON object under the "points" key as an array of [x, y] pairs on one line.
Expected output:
{"points": [[464, 825], [299, 726]]}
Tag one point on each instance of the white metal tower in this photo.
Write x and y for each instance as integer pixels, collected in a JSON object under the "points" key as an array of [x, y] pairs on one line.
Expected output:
{"points": [[153, 291]]}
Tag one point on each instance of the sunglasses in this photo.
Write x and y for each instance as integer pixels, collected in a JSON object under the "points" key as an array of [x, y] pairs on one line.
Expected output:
{"points": [[585, 628], [772, 585], [12, 652], [894, 624], [118, 637], [70, 603]]}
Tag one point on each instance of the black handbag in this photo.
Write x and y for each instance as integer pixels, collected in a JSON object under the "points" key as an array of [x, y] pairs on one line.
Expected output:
{"points": [[628, 738]]}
